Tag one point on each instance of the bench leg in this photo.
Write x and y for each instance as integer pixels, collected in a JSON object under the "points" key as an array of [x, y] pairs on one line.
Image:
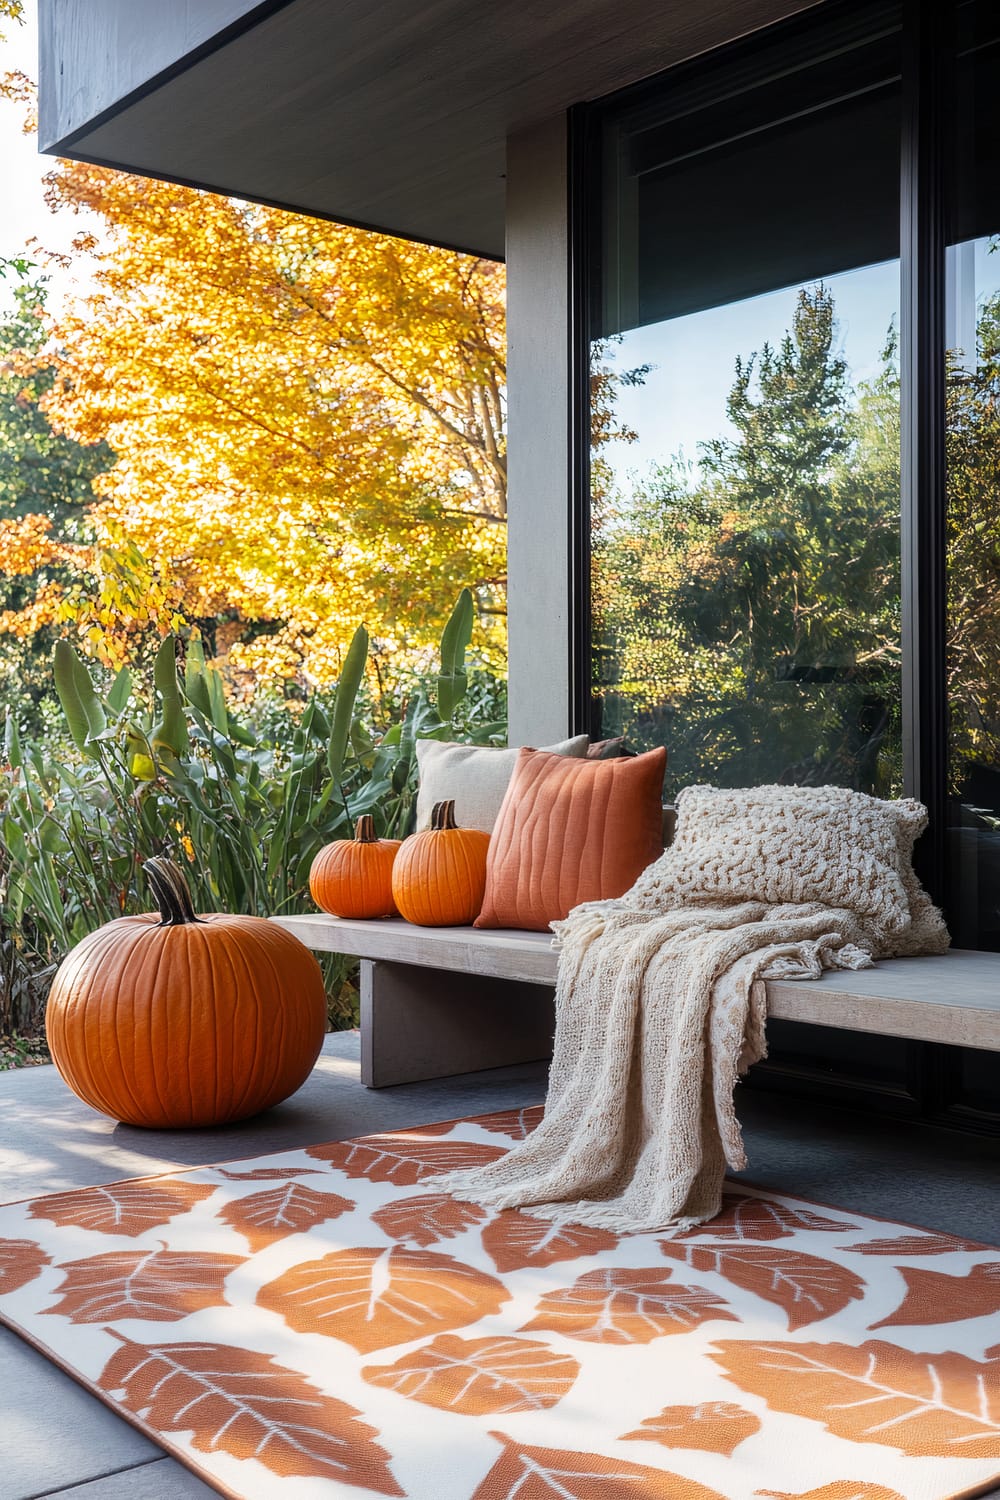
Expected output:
{"points": [[419, 1023]]}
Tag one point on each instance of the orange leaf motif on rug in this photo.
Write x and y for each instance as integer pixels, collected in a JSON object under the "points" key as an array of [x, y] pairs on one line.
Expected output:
{"points": [[20, 1262], [375, 1298], [243, 1403], [269, 1216], [403, 1162], [128, 1208], [923, 1404], [627, 1307], [515, 1240], [160, 1286], [714, 1426], [805, 1287], [915, 1244], [428, 1218], [524, 1473], [480, 1377], [765, 1219], [932, 1297], [517, 1123], [841, 1489]]}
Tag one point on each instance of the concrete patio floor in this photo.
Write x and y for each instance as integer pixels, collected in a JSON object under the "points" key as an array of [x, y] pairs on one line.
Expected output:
{"points": [[58, 1440]]}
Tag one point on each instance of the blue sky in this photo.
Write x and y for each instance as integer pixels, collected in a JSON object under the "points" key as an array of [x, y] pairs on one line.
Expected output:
{"points": [[683, 400]]}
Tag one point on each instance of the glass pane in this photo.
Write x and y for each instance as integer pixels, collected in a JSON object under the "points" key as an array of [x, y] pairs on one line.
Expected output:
{"points": [[745, 442], [973, 453]]}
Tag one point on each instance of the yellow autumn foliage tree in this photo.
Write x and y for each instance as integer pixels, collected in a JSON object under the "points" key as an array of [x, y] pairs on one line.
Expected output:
{"points": [[307, 418]]}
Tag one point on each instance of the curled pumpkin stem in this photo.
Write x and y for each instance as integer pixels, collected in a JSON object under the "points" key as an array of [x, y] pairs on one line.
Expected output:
{"points": [[170, 891]]}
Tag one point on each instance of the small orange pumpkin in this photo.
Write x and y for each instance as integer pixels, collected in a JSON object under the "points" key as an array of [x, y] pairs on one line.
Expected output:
{"points": [[353, 877], [175, 1020], [439, 878]]}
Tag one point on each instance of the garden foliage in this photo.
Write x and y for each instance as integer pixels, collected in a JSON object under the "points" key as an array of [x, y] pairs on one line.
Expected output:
{"points": [[747, 609], [243, 801], [305, 427]]}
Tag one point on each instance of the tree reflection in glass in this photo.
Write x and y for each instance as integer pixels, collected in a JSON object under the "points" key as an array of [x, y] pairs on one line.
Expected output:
{"points": [[973, 457], [746, 603]]}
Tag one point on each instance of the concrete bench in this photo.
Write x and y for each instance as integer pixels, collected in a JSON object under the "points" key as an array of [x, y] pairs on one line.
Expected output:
{"points": [[423, 1016]]}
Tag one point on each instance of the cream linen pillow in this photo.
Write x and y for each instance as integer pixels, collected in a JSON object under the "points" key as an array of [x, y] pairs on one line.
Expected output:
{"points": [[474, 776]]}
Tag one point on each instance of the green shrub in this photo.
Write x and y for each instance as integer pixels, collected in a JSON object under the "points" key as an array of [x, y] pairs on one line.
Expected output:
{"points": [[169, 767], [24, 983]]}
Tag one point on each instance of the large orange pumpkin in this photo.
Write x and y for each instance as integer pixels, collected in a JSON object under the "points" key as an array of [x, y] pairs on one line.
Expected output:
{"points": [[439, 877], [178, 1020], [353, 877]]}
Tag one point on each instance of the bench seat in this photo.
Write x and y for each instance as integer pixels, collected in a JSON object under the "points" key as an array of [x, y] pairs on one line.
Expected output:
{"points": [[952, 998]]}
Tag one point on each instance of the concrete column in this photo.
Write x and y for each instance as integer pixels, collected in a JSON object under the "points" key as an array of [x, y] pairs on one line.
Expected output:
{"points": [[538, 331]]}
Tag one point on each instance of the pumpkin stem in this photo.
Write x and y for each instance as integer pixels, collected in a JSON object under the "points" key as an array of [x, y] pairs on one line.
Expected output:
{"points": [[443, 816], [364, 830], [170, 891]]}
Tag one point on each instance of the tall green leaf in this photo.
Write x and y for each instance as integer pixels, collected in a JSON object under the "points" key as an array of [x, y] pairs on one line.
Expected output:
{"points": [[453, 679], [79, 700], [217, 699], [170, 731], [96, 719], [12, 741], [347, 693], [120, 692], [195, 684]]}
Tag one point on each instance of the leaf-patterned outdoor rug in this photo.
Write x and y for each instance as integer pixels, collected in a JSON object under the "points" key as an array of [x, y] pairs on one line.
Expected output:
{"points": [[313, 1325]]}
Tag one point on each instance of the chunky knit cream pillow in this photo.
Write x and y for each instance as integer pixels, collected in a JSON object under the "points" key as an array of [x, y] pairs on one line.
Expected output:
{"points": [[927, 932], [801, 844]]}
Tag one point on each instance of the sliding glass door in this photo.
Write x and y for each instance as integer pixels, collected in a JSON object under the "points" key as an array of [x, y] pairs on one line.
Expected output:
{"points": [[744, 499], [973, 479], [786, 274]]}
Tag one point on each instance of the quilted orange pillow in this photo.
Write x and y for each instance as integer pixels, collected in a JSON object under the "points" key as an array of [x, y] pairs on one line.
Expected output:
{"points": [[571, 831]]}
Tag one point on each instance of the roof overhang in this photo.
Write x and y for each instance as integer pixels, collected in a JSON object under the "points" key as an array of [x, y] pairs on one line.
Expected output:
{"points": [[384, 113]]}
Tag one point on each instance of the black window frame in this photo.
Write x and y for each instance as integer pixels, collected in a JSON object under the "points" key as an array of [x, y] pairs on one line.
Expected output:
{"points": [[935, 1091], [923, 497]]}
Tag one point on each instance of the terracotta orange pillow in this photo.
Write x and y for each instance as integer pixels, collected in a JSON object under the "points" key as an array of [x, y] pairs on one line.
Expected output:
{"points": [[571, 831]]}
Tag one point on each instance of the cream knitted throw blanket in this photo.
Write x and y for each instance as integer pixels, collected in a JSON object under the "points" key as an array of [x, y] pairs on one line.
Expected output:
{"points": [[660, 999]]}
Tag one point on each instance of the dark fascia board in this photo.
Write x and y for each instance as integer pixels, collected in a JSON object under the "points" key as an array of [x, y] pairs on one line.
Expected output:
{"points": [[293, 208], [63, 145]]}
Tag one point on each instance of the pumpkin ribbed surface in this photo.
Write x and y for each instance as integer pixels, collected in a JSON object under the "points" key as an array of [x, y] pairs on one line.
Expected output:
{"points": [[194, 1023], [439, 875], [353, 877]]}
